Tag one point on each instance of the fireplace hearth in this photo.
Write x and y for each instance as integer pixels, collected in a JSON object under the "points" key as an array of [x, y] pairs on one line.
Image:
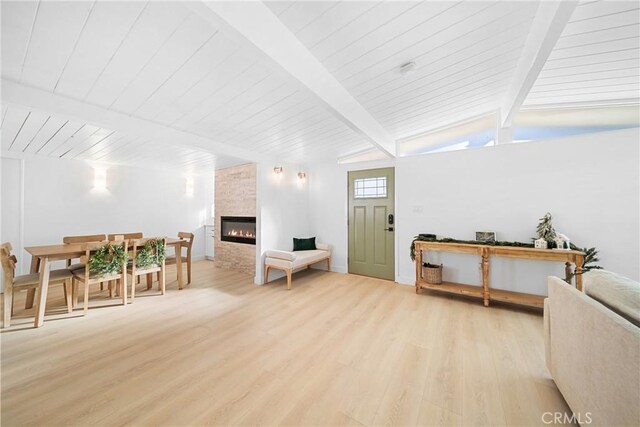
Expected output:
{"points": [[238, 229]]}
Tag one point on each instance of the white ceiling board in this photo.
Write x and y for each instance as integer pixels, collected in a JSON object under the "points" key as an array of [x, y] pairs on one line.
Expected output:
{"points": [[17, 24], [548, 24], [596, 59], [94, 116], [206, 60], [106, 27], [429, 26], [48, 131], [29, 130], [36, 133], [187, 41], [374, 18], [303, 13], [458, 47], [56, 30], [217, 88], [13, 122], [156, 25], [464, 47], [259, 26]]}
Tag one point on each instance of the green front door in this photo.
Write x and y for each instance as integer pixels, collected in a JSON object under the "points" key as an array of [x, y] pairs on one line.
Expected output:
{"points": [[372, 223]]}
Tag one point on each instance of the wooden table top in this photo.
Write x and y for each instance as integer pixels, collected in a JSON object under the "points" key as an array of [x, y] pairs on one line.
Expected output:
{"points": [[61, 249]]}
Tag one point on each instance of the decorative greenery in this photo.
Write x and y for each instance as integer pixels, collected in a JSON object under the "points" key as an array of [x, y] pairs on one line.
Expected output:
{"points": [[412, 253], [152, 253], [108, 260], [590, 258], [546, 231]]}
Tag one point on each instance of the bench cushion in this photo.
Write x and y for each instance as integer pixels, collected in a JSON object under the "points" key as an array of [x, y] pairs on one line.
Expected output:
{"points": [[285, 255], [296, 259]]}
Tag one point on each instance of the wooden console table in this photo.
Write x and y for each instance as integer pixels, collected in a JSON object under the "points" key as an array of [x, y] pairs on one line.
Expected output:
{"points": [[485, 252]]}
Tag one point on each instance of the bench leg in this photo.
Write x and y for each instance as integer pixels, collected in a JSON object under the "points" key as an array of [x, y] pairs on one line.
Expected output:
{"points": [[328, 264], [289, 279], [266, 274]]}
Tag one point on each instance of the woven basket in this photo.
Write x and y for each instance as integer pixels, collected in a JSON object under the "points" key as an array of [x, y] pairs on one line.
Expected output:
{"points": [[432, 273]]}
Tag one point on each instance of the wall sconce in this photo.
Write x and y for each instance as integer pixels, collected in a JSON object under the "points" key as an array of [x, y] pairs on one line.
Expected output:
{"points": [[100, 179], [302, 176], [277, 170], [189, 188]]}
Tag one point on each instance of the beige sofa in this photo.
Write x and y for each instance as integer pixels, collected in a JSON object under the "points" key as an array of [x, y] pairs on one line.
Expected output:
{"points": [[290, 261], [592, 351]]}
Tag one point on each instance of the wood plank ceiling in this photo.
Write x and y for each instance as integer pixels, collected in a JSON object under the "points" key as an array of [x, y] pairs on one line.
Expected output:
{"points": [[596, 60], [161, 62]]}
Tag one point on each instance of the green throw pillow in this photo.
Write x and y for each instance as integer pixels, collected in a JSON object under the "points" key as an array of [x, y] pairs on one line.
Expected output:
{"points": [[304, 244]]}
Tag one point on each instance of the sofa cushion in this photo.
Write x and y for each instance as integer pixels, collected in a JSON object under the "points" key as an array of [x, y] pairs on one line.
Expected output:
{"points": [[620, 294], [304, 244], [285, 255]]}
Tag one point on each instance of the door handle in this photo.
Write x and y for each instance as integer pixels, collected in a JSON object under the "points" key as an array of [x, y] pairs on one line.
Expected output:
{"points": [[389, 229]]}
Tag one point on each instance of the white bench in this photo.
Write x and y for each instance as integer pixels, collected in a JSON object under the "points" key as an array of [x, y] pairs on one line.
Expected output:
{"points": [[290, 261]]}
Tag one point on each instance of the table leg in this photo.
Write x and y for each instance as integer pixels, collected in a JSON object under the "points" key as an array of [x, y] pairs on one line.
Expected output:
{"points": [[418, 269], [43, 287], [485, 279], [31, 293], [179, 266], [567, 272], [578, 274]]}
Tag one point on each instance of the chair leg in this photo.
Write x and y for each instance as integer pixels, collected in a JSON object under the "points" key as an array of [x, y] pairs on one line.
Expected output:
{"points": [[67, 295], [8, 306], [289, 279], [31, 295], [74, 293], [163, 281], [123, 281], [111, 286], [188, 270], [133, 288], [86, 296]]}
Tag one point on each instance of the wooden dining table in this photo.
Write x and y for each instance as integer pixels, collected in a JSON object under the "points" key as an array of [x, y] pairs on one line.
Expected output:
{"points": [[43, 256]]}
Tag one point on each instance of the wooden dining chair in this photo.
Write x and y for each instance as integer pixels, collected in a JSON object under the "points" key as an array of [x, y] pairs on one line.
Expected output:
{"points": [[188, 237], [126, 236], [148, 258], [27, 281], [88, 277], [70, 240]]}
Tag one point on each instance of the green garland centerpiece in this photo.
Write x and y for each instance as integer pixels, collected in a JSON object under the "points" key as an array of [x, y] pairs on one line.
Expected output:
{"points": [[108, 260], [151, 254]]}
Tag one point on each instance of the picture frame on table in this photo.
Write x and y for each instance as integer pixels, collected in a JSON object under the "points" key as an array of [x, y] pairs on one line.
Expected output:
{"points": [[485, 236]]}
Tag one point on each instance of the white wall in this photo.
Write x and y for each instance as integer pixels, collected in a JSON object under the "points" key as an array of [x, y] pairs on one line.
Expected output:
{"points": [[59, 201], [282, 206], [590, 183]]}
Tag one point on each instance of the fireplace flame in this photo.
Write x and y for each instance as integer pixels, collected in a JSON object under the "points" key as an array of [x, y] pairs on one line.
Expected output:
{"points": [[241, 233]]}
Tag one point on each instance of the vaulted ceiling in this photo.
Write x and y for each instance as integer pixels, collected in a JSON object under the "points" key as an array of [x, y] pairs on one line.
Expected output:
{"points": [[181, 84]]}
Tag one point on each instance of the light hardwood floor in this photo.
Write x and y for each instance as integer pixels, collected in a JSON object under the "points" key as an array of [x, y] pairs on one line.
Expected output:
{"points": [[335, 350]]}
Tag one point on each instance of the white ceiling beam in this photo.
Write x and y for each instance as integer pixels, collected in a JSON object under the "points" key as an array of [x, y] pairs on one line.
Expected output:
{"points": [[26, 96], [254, 22], [546, 28]]}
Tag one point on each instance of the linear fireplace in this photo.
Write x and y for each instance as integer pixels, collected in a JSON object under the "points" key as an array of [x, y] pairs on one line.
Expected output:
{"points": [[239, 229]]}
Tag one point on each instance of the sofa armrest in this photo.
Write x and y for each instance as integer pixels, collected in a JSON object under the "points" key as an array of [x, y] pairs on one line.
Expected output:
{"points": [[285, 255], [594, 356], [323, 246]]}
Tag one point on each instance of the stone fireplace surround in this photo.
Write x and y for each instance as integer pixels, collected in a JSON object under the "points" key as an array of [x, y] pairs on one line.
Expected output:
{"points": [[235, 195]]}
